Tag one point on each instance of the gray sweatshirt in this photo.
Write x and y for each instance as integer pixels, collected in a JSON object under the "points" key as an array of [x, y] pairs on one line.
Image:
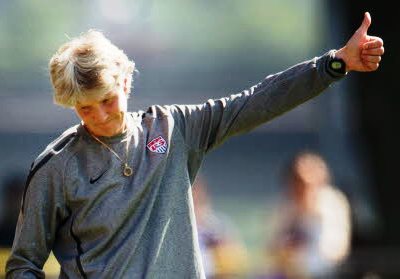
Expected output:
{"points": [[101, 224]]}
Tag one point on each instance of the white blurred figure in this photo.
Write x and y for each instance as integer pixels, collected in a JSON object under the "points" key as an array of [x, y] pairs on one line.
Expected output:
{"points": [[314, 233]]}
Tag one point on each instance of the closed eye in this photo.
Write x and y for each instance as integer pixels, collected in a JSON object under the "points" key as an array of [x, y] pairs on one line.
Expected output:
{"points": [[85, 109], [107, 101]]}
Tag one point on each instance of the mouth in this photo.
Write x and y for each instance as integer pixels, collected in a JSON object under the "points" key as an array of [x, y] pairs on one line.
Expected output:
{"points": [[105, 123]]}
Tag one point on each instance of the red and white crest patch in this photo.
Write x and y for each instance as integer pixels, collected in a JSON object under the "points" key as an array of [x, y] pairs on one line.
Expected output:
{"points": [[158, 145]]}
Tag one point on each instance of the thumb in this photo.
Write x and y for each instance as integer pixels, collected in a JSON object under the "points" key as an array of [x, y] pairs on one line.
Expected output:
{"points": [[365, 24]]}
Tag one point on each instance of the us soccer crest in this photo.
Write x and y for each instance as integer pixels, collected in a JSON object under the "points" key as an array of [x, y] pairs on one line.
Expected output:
{"points": [[158, 145]]}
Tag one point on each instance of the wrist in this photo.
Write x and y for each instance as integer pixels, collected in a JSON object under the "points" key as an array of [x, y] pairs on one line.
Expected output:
{"points": [[335, 64], [340, 55]]}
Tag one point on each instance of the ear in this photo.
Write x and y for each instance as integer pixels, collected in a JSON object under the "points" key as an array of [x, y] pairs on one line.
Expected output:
{"points": [[126, 90], [128, 84]]}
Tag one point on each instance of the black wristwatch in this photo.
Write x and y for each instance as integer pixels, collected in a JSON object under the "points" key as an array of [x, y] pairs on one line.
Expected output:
{"points": [[337, 65]]}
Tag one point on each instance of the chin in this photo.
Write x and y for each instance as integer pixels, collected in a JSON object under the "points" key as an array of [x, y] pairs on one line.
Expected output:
{"points": [[109, 133], [104, 132], [108, 129]]}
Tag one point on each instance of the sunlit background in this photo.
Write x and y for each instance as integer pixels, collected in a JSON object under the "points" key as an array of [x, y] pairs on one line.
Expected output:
{"points": [[187, 52]]}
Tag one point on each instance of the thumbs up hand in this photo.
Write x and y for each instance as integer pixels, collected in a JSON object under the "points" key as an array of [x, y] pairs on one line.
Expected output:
{"points": [[362, 52]]}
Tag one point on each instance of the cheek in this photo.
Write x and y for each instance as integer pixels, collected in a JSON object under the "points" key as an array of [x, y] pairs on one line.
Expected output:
{"points": [[83, 115], [123, 106], [122, 103], [116, 108], [80, 114], [87, 117]]}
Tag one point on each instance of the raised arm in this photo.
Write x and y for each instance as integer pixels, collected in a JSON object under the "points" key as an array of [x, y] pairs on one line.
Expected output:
{"points": [[208, 125]]}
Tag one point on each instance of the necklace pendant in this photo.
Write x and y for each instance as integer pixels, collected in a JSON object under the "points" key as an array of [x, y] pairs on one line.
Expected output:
{"points": [[127, 170]]}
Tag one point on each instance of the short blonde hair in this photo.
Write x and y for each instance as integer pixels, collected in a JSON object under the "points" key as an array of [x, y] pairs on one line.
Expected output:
{"points": [[88, 65]]}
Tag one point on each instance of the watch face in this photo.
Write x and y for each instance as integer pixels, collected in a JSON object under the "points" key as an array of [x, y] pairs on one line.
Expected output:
{"points": [[336, 65]]}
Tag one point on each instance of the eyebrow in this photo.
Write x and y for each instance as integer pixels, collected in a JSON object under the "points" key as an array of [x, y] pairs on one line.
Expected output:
{"points": [[107, 95]]}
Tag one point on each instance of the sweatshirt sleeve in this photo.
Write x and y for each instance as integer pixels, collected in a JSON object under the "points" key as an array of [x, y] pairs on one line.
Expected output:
{"points": [[210, 124], [41, 213]]}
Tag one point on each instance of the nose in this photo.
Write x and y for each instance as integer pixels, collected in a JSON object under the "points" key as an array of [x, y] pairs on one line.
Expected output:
{"points": [[100, 115]]}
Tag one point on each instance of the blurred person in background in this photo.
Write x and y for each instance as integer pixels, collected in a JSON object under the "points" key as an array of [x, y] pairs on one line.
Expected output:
{"points": [[223, 253], [11, 189], [313, 234], [112, 196]]}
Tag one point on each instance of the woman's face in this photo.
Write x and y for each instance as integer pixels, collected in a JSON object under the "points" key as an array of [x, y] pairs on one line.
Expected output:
{"points": [[104, 116]]}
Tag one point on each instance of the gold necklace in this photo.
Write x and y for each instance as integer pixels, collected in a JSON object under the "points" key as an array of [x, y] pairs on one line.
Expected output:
{"points": [[126, 169]]}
